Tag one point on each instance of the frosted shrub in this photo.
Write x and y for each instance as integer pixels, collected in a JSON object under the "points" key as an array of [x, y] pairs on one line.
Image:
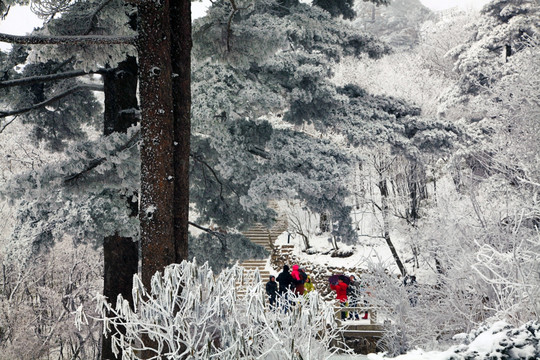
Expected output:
{"points": [[425, 316], [192, 314], [37, 298]]}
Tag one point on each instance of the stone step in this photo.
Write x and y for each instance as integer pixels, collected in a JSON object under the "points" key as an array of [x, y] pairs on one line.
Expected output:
{"points": [[286, 247], [261, 236], [261, 240], [253, 265], [263, 230]]}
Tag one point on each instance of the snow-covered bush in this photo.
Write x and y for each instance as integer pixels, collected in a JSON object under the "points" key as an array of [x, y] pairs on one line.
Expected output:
{"points": [[496, 341], [478, 260], [192, 314]]}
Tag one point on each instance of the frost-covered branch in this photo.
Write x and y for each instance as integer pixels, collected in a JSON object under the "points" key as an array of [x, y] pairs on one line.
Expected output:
{"points": [[191, 312], [528, 181], [94, 15], [96, 162], [55, 98], [67, 40], [44, 78]]}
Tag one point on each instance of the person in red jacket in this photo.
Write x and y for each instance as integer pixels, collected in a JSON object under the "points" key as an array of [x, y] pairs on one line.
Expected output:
{"points": [[341, 295], [298, 280]]}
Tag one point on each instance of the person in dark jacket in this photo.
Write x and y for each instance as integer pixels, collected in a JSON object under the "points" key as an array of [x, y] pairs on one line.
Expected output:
{"points": [[352, 296], [271, 290], [285, 280], [286, 283]]}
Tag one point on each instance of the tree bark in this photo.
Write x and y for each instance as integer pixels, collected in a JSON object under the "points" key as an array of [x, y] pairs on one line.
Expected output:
{"points": [[158, 248], [416, 180], [120, 254], [181, 44]]}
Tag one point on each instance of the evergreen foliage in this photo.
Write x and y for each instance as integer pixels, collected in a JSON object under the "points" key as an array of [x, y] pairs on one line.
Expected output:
{"points": [[231, 247], [80, 200], [503, 31], [337, 8], [54, 123]]}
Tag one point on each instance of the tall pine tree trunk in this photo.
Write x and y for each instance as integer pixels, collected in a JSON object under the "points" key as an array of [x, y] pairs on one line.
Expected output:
{"points": [[165, 69], [181, 66], [120, 253], [158, 248]]}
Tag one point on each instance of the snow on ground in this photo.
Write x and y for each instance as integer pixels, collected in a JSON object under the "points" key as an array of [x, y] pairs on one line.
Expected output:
{"points": [[349, 357], [320, 243]]}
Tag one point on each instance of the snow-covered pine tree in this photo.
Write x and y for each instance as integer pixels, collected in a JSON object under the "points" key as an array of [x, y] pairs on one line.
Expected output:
{"points": [[495, 80], [503, 30], [282, 73]]}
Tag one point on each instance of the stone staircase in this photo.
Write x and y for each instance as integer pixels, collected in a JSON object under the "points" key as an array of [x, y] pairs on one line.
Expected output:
{"points": [[265, 237]]}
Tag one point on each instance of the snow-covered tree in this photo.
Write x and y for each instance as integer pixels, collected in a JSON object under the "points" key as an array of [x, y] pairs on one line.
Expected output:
{"points": [[247, 138], [503, 30]]}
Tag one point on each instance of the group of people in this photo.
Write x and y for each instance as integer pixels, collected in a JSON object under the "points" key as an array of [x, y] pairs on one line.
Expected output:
{"points": [[297, 281], [348, 293]]}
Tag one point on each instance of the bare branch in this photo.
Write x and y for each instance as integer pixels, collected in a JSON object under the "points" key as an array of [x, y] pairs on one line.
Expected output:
{"points": [[198, 159], [62, 95], [68, 40], [5, 125], [220, 236], [259, 152], [4, 14]]}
